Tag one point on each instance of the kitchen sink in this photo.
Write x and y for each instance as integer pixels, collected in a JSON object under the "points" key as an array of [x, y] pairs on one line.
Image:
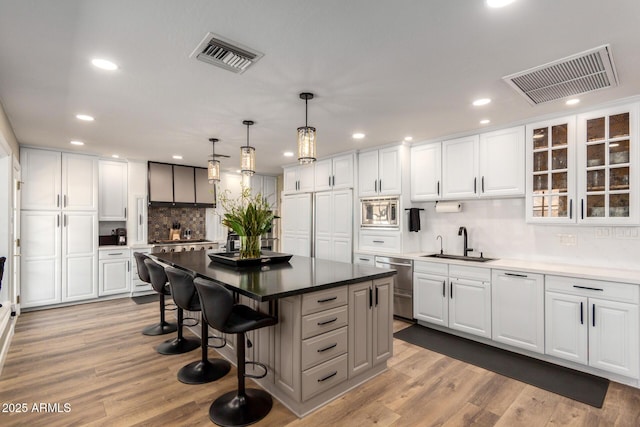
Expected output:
{"points": [[460, 257]]}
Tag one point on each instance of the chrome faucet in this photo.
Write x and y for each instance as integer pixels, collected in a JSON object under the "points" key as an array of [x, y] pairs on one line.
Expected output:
{"points": [[440, 237], [462, 231]]}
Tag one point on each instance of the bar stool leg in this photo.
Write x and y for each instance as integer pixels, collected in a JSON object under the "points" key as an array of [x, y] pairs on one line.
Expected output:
{"points": [[204, 370], [243, 406], [180, 344], [163, 327]]}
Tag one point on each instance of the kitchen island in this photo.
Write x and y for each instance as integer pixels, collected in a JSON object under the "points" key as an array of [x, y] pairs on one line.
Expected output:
{"points": [[334, 328]]}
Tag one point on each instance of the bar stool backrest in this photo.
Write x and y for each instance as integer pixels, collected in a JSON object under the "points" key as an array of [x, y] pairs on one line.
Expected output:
{"points": [[216, 301], [143, 273], [156, 274], [183, 290]]}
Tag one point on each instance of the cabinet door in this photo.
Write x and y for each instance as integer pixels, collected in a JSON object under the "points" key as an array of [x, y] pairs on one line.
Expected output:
{"points": [[323, 175], [460, 167], [566, 326], [502, 163], [323, 226], [364, 259], [256, 183], [270, 191], [342, 214], [470, 306], [550, 172], [430, 300], [113, 191], [342, 172], [368, 173], [40, 260], [517, 307], [608, 155], [79, 182], [613, 337], [184, 188], [79, 256], [41, 176], [382, 319], [389, 171], [114, 277], [426, 172], [290, 180], [140, 234], [360, 328], [205, 191], [160, 182], [306, 178]]}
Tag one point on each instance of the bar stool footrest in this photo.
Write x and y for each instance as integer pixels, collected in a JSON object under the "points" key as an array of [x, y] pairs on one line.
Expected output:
{"points": [[261, 365], [215, 337]]}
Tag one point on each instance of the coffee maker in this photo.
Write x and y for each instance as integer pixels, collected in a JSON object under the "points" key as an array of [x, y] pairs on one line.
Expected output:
{"points": [[121, 236]]}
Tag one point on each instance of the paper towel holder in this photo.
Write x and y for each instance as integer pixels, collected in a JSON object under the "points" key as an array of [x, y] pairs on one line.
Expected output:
{"points": [[448, 207]]}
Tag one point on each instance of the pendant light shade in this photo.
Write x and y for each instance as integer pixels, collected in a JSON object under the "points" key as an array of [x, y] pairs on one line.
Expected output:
{"points": [[306, 136], [247, 154], [213, 170]]}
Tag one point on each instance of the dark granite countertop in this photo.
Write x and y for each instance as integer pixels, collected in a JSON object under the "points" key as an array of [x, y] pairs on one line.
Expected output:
{"points": [[269, 282]]}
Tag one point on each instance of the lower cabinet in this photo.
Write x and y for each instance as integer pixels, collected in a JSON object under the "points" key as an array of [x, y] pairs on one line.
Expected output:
{"points": [[364, 259], [593, 323], [114, 271]]}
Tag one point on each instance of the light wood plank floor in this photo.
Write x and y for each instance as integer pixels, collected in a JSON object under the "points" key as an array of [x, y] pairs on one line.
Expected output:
{"points": [[94, 358]]}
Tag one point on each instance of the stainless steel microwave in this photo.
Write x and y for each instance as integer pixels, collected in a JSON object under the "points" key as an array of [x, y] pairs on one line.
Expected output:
{"points": [[379, 212]]}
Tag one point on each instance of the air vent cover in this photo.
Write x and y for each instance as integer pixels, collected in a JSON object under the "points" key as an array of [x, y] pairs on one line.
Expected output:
{"points": [[224, 53], [577, 74]]}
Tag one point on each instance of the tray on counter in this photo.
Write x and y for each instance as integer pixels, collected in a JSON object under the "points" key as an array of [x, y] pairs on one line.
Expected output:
{"points": [[233, 258]]}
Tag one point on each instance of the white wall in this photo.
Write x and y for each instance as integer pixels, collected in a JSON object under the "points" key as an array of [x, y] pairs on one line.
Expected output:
{"points": [[498, 228]]}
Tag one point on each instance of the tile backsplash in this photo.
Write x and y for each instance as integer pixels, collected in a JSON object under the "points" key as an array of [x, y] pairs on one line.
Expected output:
{"points": [[161, 218]]}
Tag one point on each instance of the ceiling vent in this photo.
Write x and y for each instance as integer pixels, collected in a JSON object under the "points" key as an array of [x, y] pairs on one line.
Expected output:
{"points": [[225, 53], [577, 74]]}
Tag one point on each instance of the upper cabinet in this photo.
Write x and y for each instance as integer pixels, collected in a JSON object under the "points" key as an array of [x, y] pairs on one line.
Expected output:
{"points": [[501, 165], [426, 172], [379, 172], [583, 169], [460, 167], [334, 173], [112, 188], [299, 179], [177, 185], [267, 186]]}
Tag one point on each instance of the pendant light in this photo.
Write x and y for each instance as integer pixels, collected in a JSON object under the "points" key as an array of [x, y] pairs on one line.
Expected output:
{"points": [[306, 136], [213, 171], [247, 154]]}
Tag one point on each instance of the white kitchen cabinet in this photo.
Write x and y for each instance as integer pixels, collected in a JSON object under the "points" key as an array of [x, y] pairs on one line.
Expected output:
{"points": [[517, 309], [430, 302], [266, 186], [364, 259], [296, 224], [137, 228], [140, 226], [114, 271], [502, 163], [334, 173], [299, 179], [380, 172], [470, 306], [593, 322], [426, 172], [112, 190], [460, 167], [334, 225], [79, 255]]}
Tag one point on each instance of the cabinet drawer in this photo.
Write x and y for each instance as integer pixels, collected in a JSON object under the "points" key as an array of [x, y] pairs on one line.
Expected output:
{"points": [[114, 253], [323, 377], [466, 272], [323, 347], [437, 268], [323, 300], [364, 259], [593, 288], [325, 321], [386, 242]]}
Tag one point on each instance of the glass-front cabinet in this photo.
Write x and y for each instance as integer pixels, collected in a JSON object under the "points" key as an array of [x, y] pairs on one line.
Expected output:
{"points": [[550, 165], [607, 160]]}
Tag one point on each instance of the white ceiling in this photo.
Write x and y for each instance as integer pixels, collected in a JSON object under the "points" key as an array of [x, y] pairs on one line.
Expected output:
{"points": [[387, 68]]}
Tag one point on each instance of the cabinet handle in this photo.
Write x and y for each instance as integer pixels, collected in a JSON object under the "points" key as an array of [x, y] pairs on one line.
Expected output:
{"points": [[444, 284], [64, 203], [375, 185], [581, 208], [370, 297], [451, 290], [364, 259], [570, 208], [483, 183], [333, 181], [65, 220], [438, 188], [329, 347], [581, 313], [326, 322], [328, 376], [115, 254], [593, 314], [515, 275], [380, 185], [329, 181], [376, 296], [378, 241], [128, 266], [140, 219], [125, 212], [588, 288], [58, 220], [58, 201], [328, 299], [475, 182]]}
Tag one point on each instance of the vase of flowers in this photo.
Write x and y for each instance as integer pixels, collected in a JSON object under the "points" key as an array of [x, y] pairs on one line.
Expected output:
{"points": [[250, 217]]}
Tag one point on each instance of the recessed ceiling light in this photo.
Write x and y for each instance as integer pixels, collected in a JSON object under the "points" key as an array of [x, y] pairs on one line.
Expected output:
{"points": [[84, 117], [177, 157], [481, 101], [104, 64], [288, 153], [485, 121], [358, 135], [115, 156], [76, 142], [408, 138], [573, 101], [498, 3]]}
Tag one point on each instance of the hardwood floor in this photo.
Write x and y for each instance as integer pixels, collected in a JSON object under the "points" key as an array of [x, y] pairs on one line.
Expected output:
{"points": [[93, 358]]}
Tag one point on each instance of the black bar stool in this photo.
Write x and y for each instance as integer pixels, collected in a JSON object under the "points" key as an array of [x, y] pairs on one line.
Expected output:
{"points": [[186, 297], [180, 344], [243, 406], [163, 327]]}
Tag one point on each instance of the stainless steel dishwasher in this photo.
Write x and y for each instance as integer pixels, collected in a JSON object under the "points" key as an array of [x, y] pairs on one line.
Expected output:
{"points": [[403, 288]]}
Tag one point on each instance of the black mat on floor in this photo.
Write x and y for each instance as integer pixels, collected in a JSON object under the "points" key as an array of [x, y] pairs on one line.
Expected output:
{"points": [[145, 299], [576, 385]]}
